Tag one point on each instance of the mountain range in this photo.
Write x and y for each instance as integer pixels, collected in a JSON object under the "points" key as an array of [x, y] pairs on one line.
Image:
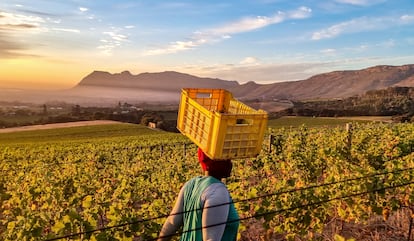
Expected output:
{"points": [[332, 85], [101, 87]]}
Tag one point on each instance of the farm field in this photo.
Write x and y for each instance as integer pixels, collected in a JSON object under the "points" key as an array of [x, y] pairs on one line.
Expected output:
{"points": [[119, 181], [288, 121], [77, 132], [294, 121], [56, 126]]}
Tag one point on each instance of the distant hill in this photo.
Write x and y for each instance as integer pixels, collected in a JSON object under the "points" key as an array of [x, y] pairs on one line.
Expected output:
{"points": [[332, 85], [164, 81], [104, 88], [163, 87]]}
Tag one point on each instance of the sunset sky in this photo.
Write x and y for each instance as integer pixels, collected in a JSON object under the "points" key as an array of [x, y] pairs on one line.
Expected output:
{"points": [[54, 44]]}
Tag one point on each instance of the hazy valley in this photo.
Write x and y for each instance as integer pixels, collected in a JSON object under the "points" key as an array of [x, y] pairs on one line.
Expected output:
{"points": [[106, 89], [154, 97]]}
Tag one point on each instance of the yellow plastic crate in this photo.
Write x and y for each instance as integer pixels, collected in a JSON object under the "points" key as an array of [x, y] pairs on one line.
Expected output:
{"points": [[221, 126]]}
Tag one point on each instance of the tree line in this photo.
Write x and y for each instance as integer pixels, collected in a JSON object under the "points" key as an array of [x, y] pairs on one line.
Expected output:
{"points": [[122, 113], [393, 101]]}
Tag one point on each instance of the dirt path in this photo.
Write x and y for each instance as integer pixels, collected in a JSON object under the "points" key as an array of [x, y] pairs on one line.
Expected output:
{"points": [[369, 118], [57, 125]]}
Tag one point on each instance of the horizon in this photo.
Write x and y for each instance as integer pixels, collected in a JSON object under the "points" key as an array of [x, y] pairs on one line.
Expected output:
{"points": [[264, 41], [13, 88]]}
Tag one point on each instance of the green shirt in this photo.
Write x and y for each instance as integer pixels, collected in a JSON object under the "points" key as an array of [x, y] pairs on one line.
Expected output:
{"points": [[193, 211]]}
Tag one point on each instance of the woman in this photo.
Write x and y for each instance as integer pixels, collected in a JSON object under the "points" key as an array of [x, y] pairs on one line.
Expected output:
{"points": [[204, 207]]}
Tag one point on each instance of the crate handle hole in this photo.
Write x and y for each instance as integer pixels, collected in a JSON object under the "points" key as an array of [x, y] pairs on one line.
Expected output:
{"points": [[203, 95], [243, 122]]}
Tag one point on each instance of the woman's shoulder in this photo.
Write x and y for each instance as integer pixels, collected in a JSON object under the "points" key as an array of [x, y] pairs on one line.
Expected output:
{"points": [[206, 179], [217, 188], [195, 179], [216, 191], [192, 181]]}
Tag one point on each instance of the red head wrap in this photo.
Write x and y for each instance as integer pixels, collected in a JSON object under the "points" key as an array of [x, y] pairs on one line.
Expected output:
{"points": [[204, 160], [216, 168]]}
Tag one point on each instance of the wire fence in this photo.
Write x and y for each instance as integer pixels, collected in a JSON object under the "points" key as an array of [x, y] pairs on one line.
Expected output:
{"points": [[258, 215], [271, 143], [159, 149]]}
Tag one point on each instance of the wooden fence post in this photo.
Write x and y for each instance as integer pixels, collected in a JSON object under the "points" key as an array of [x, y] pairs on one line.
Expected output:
{"points": [[271, 138], [411, 224], [349, 139]]}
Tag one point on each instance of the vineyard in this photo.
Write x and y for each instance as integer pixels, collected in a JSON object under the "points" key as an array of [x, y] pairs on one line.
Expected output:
{"points": [[119, 182]]}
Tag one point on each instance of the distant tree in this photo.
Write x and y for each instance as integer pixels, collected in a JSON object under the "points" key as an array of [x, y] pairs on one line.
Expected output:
{"points": [[398, 101], [22, 112], [44, 109], [151, 117], [99, 116], [76, 110]]}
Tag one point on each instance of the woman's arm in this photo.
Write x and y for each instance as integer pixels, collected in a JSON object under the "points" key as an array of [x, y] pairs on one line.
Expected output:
{"points": [[218, 196], [174, 220]]}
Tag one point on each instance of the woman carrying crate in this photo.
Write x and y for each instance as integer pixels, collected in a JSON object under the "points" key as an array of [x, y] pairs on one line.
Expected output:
{"points": [[204, 207]]}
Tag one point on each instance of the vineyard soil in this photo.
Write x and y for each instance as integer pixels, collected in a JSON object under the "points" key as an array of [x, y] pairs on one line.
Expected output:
{"points": [[57, 125]]}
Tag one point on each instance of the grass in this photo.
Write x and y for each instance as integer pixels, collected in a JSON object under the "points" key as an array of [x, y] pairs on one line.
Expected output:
{"points": [[133, 130], [20, 119], [294, 121], [77, 133]]}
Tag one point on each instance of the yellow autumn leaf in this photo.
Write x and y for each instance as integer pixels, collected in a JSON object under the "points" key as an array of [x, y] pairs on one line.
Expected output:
{"points": [[66, 219], [86, 203], [339, 238], [57, 227], [11, 225]]}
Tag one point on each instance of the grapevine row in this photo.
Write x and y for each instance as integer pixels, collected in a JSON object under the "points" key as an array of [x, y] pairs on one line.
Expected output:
{"points": [[108, 182], [261, 197]]}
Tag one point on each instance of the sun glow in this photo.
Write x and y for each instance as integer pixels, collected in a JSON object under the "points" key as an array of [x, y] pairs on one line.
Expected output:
{"points": [[35, 74]]}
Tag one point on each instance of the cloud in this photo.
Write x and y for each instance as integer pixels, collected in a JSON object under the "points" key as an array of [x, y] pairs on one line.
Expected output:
{"points": [[249, 61], [329, 51], [83, 11], [19, 19], [175, 47], [37, 13], [16, 26], [112, 39], [407, 18], [253, 23], [264, 73], [276, 72], [387, 44], [68, 30], [227, 30], [11, 25], [174, 5], [116, 36], [361, 25], [361, 2], [8, 48]]}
